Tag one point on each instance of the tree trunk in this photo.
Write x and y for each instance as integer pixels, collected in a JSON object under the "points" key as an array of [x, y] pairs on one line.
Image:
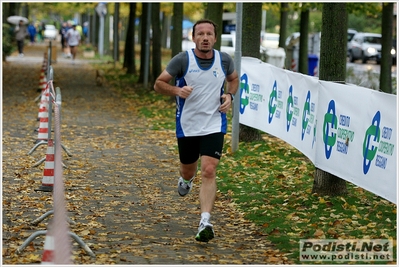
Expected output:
{"points": [[332, 68], [129, 54], [116, 34], [252, 19], [386, 41], [214, 12], [156, 41], [177, 29], [166, 30], [283, 24], [144, 32], [106, 42], [303, 42], [327, 184]]}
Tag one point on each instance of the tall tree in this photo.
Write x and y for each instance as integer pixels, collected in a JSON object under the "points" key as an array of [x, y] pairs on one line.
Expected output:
{"points": [[303, 41], [177, 28], [165, 35], [332, 68], [156, 42], [214, 12], [129, 62], [386, 41], [107, 45], [144, 31], [252, 19], [116, 33], [283, 24]]}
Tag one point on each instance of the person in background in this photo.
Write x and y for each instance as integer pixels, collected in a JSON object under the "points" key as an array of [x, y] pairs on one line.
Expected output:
{"points": [[32, 32], [21, 32], [64, 45], [80, 30], [85, 30], [40, 31], [73, 37], [201, 122]]}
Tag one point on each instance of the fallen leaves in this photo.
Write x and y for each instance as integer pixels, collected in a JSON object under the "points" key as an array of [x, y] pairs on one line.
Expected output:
{"points": [[120, 183]]}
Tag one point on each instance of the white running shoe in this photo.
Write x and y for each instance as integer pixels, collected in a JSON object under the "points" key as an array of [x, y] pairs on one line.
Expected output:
{"points": [[205, 232], [184, 187]]}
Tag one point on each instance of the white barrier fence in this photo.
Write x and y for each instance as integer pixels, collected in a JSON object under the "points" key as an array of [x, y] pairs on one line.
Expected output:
{"points": [[346, 130]]}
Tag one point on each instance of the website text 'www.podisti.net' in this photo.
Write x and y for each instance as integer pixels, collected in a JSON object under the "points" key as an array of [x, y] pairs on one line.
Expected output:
{"points": [[346, 250]]}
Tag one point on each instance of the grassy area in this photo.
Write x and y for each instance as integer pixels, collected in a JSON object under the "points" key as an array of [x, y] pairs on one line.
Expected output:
{"points": [[271, 183]]}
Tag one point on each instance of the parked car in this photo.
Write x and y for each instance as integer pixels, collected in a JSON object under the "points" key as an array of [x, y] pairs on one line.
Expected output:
{"points": [[350, 35], [50, 32], [364, 46], [228, 44], [393, 53], [270, 40]]}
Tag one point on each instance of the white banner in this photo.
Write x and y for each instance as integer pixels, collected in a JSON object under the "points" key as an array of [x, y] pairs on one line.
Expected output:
{"points": [[280, 103], [348, 131]]}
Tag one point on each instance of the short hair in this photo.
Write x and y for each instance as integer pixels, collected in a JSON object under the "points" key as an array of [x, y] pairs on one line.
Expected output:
{"points": [[201, 21]]}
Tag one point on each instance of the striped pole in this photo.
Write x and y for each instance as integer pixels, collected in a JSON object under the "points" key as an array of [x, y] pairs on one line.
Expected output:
{"points": [[48, 251], [43, 106], [48, 173]]}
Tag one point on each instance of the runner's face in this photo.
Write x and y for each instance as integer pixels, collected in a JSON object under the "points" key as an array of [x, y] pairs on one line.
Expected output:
{"points": [[204, 37]]}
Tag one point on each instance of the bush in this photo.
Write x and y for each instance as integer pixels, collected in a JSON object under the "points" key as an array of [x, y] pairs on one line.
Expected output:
{"points": [[8, 41]]}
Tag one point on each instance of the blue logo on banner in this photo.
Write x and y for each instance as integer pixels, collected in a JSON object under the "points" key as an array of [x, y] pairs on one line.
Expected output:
{"points": [[330, 122], [244, 87], [369, 150], [272, 102], [306, 112], [290, 104]]}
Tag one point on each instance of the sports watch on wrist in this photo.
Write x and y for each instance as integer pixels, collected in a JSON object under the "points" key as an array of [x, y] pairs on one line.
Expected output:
{"points": [[232, 96]]}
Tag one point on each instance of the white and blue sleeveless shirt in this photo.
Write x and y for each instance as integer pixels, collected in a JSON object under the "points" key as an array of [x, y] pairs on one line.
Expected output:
{"points": [[199, 114]]}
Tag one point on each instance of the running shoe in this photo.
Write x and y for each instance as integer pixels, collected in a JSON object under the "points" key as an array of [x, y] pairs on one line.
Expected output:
{"points": [[205, 232], [184, 187]]}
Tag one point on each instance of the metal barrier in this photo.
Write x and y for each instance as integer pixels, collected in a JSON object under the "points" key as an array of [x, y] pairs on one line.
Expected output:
{"points": [[50, 75], [58, 159], [60, 217]]}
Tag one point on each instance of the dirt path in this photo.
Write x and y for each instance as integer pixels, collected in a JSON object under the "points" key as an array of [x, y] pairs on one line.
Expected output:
{"points": [[120, 181]]}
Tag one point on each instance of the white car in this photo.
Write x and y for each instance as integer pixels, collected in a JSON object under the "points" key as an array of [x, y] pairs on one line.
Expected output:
{"points": [[50, 32], [365, 46], [270, 40], [228, 44]]}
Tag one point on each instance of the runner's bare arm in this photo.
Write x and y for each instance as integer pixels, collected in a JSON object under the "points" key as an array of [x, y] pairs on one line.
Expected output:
{"points": [[163, 86]]}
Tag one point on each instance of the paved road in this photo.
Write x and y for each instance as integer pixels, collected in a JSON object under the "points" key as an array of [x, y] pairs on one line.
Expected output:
{"points": [[120, 181]]}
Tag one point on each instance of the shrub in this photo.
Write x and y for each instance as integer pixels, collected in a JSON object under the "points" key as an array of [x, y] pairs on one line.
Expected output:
{"points": [[8, 41]]}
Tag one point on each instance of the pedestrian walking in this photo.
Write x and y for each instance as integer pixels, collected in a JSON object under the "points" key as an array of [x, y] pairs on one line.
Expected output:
{"points": [[64, 45], [32, 32], [73, 38], [21, 32], [40, 32], [201, 122]]}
